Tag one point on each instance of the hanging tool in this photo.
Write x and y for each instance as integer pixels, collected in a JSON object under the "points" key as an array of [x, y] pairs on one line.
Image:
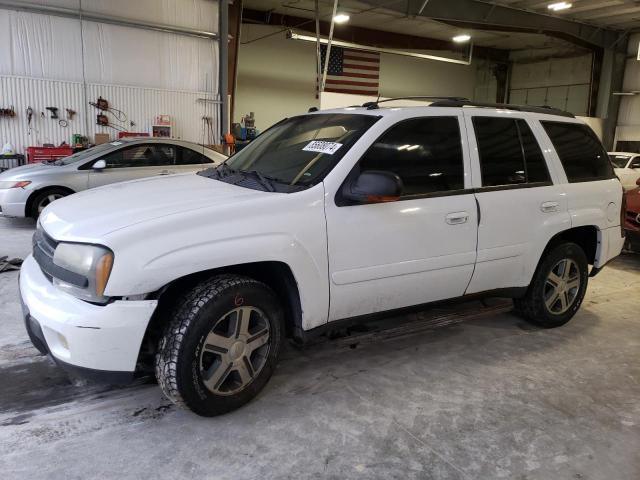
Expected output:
{"points": [[102, 120], [7, 112], [54, 112], [63, 123], [103, 104], [70, 114]]}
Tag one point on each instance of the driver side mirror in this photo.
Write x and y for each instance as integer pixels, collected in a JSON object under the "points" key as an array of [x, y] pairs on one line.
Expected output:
{"points": [[99, 165], [374, 186]]}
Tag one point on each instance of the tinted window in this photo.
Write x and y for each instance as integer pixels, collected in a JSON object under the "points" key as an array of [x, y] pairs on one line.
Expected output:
{"points": [[580, 151], [191, 157], [536, 170], [501, 159], [142, 156], [426, 153]]}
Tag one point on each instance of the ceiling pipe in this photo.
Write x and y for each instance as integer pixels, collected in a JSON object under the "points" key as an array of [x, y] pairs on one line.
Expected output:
{"points": [[355, 46]]}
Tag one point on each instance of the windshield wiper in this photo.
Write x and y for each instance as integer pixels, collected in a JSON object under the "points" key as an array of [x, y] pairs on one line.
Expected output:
{"points": [[225, 170], [265, 181]]}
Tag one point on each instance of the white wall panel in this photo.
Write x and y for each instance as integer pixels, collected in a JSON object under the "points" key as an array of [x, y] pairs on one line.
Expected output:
{"points": [[628, 128], [45, 46], [198, 14], [141, 105], [61, 62], [558, 82]]}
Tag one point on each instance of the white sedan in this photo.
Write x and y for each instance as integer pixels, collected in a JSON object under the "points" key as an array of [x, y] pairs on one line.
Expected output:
{"points": [[627, 168]]}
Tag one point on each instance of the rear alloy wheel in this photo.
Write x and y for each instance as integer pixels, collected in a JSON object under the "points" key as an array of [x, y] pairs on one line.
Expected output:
{"points": [[221, 345], [562, 286], [44, 198], [558, 287]]}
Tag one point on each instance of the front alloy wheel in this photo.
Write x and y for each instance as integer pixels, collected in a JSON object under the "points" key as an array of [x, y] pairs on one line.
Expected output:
{"points": [[221, 344], [235, 351]]}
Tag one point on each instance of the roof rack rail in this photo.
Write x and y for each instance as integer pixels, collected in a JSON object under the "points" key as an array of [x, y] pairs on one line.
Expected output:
{"points": [[374, 105], [544, 109]]}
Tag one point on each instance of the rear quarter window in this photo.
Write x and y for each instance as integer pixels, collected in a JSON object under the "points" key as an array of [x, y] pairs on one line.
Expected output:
{"points": [[582, 155]]}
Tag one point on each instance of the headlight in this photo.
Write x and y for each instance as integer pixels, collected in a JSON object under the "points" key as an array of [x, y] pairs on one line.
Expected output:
{"points": [[92, 262], [14, 184]]}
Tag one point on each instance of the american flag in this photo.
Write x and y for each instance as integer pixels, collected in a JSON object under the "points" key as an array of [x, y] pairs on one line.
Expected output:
{"points": [[351, 71]]}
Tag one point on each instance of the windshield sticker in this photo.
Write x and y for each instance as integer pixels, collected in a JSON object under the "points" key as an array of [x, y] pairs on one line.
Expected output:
{"points": [[322, 147]]}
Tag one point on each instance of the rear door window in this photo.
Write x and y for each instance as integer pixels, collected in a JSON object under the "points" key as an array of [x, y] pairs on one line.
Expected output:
{"points": [[581, 153], [509, 152], [536, 166]]}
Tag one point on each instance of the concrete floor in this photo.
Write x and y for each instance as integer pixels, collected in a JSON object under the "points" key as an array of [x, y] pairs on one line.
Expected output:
{"points": [[486, 397]]}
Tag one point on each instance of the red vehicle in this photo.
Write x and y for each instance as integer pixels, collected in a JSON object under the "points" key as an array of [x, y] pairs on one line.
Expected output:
{"points": [[632, 218]]}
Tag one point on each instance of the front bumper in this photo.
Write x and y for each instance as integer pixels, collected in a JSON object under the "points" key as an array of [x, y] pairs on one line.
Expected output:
{"points": [[13, 202], [98, 342]]}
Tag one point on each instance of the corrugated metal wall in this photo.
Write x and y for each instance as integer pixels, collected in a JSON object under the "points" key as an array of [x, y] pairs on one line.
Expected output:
{"points": [[140, 105], [558, 82], [628, 128]]}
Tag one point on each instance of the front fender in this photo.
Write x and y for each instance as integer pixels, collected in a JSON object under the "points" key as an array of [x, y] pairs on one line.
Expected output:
{"points": [[159, 252]]}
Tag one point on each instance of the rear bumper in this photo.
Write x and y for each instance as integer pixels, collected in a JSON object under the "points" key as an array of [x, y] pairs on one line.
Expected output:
{"points": [[610, 246], [96, 342]]}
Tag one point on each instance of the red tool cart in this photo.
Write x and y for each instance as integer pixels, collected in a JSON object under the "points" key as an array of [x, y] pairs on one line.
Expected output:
{"points": [[41, 154]]}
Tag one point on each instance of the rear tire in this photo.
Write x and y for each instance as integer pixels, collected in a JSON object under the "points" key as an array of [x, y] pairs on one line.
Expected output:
{"points": [[221, 346], [558, 287], [44, 198]]}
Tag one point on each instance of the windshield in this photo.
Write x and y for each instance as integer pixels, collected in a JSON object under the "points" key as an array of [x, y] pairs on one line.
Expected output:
{"points": [[300, 151], [619, 161], [89, 151]]}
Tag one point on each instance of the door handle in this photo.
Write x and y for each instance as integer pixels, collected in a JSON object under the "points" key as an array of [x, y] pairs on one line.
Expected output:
{"points": [[548, 207], [457, 218]]}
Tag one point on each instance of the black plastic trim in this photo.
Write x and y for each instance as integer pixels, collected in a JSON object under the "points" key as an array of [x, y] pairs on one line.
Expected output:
{"points": [[108, 377], [544, 109], [514, 186], [304, 336]]}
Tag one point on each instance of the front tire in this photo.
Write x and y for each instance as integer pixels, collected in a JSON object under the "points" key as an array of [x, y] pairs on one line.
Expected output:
{"points": [[221, 346], [44, 198], [557, 289]]}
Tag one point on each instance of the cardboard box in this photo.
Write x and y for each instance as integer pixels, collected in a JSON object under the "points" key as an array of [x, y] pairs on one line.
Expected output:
{"points": [[102, 138]]}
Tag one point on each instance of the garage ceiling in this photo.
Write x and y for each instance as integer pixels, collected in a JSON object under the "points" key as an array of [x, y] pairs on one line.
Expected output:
{"points": [[616, 14], [363, 14]]}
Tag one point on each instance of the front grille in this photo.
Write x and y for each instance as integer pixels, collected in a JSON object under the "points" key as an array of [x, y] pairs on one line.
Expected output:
{"points": [[43, 249]]}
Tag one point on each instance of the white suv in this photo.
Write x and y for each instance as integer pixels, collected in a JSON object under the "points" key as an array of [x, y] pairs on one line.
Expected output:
{"points": [[332, 216]]}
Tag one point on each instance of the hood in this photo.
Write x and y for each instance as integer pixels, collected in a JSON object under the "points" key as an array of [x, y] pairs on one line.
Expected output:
{"points": [[23, 172], [94, 213]]}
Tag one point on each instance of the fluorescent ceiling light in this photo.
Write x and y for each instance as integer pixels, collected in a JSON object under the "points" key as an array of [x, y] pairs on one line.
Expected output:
{"points": [[367, 48], [559, 6], [341, 18], [461, 38]]}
